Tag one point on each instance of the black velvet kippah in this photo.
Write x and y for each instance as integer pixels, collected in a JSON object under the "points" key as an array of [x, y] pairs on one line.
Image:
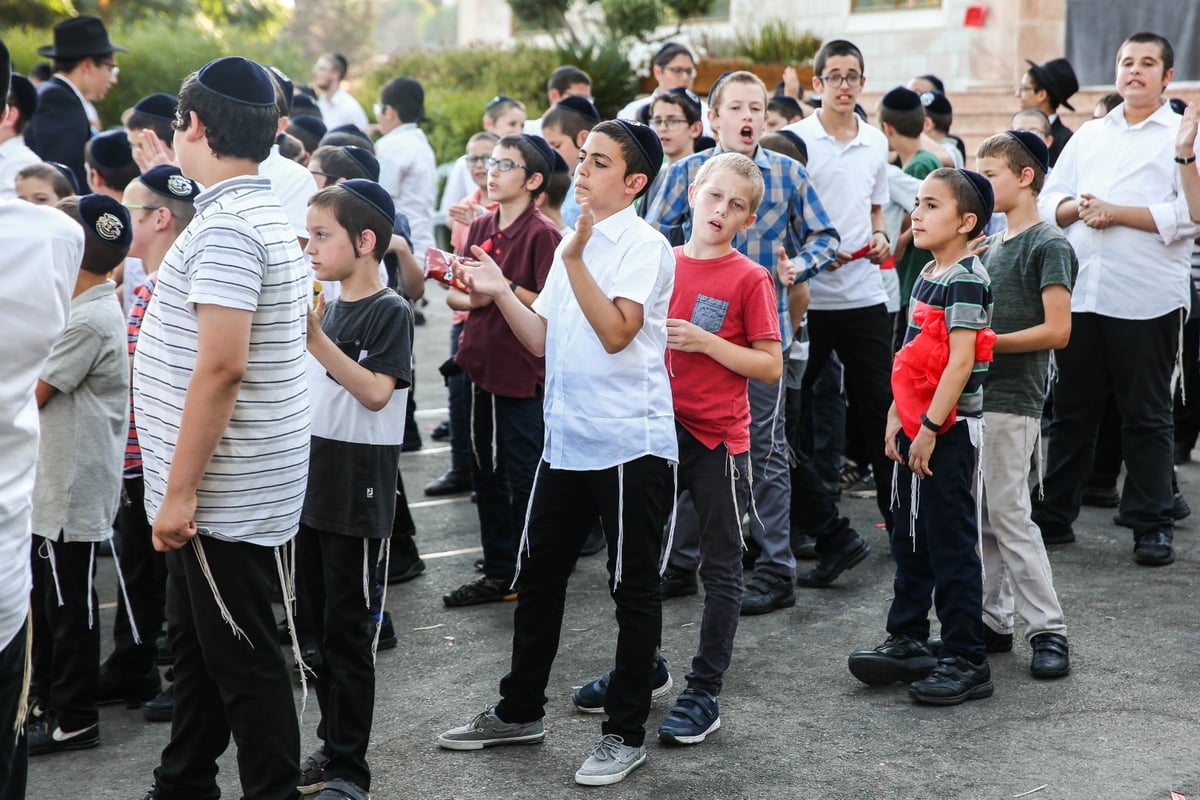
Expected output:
{"points": [[25, 93], [580, 105], [543, 147], [111, 149], [1035, 146], [558, 165], [303, 105], [286, 86], [983, 188], [365, 158], [687, 94], [374, 194], [167, 180], [159, 105], [309, 123], [936, 103], [67, 173], [790, 103], [238, 79], [647, 142], [107, 218], [901, 99], [795, 139]]}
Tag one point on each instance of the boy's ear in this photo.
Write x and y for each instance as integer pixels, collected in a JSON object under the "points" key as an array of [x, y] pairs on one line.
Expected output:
{"points": [[635, 183], [162, 218], [196, 130], [750, 220], [581, 137], [366, 242], [967, 222], [1026, 177], [534, 181], [696, 129], [691, 195]]}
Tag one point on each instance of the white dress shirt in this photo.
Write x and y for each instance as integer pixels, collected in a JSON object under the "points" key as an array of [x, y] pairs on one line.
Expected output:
{"points": [[1124, 272], [15, 156], [293, 185], [340, 108], [408, 170], [459, 184]]}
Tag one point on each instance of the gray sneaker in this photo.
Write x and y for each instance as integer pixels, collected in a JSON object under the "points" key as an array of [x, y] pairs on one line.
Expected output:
{"points": [[611, 760], [488, 730]]}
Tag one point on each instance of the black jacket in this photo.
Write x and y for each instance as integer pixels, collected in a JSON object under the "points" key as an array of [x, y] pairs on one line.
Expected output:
{"points": [[59, 128]]}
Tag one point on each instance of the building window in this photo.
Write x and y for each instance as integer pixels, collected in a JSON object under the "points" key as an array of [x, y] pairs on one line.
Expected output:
{"points": [[883, 5]]}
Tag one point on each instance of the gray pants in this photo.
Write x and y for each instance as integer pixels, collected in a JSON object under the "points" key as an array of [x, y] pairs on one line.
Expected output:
{"points": [[1015, 567], [770, 523]]}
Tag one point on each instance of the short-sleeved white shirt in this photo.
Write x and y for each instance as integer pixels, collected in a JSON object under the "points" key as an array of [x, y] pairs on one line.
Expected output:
{"points": [[849, 177], [340, 108], [14, 157], [238, 252], [605, 409], [408, 170], [35, 300], [293, 185]]}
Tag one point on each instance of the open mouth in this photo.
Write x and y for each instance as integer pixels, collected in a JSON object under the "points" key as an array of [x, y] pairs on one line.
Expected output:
{"points": [[747, 133]]}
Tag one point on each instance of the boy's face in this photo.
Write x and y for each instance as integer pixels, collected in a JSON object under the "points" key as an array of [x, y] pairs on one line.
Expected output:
{"points": [[477, 155], [669, 122], [720, 207], [567, 147], [1141, 78], [1032, 123], [680, 71], [504, 187], [1006, 185], [600, 178], [1027, 96], [841, 84], [739, 122], [775, 120], [935, 219], [329, 247], [144, 219], [318, 172], [38, 191], [510, 122]]}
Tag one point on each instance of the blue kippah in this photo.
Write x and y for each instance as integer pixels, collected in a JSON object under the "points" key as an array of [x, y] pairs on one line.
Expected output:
{"points": [[111, 149], [285, 83], [580, 105], [159, 105], [304, 105], [108, 219], [558, 165], [308, 123], [791, 103], [169, 181], [238, 79], [67, 173], [373, 193], [364, 158], [901, 99]]}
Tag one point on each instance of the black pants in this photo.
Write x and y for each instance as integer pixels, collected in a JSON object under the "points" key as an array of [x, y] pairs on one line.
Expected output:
{"points": [[329, 587], [937, 561], [566, 505], [226, 684], [813, 512], [66, 655], [1187, 415], [507, 435], [1132, 359], [862, 339], [145, 573], [14, 749]]}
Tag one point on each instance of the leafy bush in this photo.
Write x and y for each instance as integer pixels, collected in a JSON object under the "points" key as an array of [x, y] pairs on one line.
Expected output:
{"points": [[777, 42], [613, 81]]}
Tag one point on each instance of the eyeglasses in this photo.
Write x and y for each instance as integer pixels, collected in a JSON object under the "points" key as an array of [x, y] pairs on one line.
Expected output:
{"points": [[475, 160], [113, 69], [378, 108], [504, 165], [324, 174], [670, 123], [1023, 89], [136, 207], [853, 79], [681, 72]]}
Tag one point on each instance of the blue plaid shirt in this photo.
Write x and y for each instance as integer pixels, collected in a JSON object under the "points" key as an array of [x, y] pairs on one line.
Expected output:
{"points": [[790, 215]]}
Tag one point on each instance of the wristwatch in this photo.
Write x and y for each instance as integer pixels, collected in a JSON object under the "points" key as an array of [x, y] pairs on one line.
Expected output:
{"points": [[1187, 160], [882, 233], [514, 286]]}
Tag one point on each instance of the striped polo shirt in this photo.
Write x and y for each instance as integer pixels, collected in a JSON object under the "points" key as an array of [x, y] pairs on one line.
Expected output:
{"points": [[238, 252]]}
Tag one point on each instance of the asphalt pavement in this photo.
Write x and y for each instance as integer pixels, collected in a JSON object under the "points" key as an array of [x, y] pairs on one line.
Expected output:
{"points": [[1122, 726]]}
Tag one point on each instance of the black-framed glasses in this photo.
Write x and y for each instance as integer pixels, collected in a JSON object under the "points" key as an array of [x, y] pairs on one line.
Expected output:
{"points": [[670, 123], [850, 80], [112, 67], [324, 174], [504, 164], [474, 160]]}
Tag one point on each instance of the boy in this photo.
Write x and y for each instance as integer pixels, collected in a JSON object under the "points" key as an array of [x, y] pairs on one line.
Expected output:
{"points": [[15, 155], [83, 400], [407, 166], [161, 206], [502, 116], [675, 117], [506, 379], [932, 435], [783, 111], [792, 219], [566, 81], [222, 417], [565, 127], [1045, 87], [149, 129], [939, 115], [358, 376], [1033, 267], [601, 323], [110, 164]]}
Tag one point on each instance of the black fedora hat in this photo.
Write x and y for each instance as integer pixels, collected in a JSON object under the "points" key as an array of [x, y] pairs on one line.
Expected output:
{"points": [[1058, 78], [80, 37]]}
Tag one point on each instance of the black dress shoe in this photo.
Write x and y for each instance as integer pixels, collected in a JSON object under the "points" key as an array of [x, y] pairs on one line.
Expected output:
{"points": [[833, 564], [678, 583], [1180, 510], [160, 708], [441, 432], [899, 659], [387, 633], [1154, 548], [804, 547], [1056, 534], [997, 642], [115, 686], [765, 593], [452, 481], [954, 680], [1101, 496], [1051, 656], [401, 571]]}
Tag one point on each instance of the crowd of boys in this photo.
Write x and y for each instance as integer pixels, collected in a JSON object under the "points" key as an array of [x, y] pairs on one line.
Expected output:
{"points": [[651, 326]]}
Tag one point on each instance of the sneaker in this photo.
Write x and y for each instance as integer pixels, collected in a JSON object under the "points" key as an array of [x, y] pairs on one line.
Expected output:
{"points": [[954, 680], [441, 432], [611, 760], [899, 659], [163, 656], [483, 590], [402, 571], [312, 772], [488, 730], [45, 736], [115, 686], [853, 475], [863, 486], [678, 583], [590, 697], [696, 714], [387, 633], [766, 592], [160, 708], [804, 547], [831, 565], [342, 789]]}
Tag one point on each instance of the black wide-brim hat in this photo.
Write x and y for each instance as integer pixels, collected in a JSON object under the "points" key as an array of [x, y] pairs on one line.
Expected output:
{"points": [[1059, 79], [80, 37]]}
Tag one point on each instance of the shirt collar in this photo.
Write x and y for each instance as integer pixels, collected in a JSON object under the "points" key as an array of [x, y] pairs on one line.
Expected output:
{"points": [[760, 155], [1161, 116], [88, 295], [234, 184], [74, 88], [612, 227]]}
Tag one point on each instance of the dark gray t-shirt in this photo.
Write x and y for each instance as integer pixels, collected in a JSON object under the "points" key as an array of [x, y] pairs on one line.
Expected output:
{"points": [[1020, 269]]}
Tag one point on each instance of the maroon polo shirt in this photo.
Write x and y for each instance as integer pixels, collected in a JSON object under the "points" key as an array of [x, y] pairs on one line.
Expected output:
{"points": [[488, 351]]}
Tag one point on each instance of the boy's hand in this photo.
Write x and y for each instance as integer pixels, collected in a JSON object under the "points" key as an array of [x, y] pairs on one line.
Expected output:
{"points": [[483, 275], [921, 451], [881, 248], [791, 83], [151, 152], [1094, 212], [683, 335], [315, 316], [1185, 140], [465, 213], [583, 232], [978, 245], [175, 524], [890, 448], [785, 270]]}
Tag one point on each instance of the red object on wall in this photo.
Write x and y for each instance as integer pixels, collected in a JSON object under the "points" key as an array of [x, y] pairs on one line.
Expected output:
{"points": [[975, 16]]}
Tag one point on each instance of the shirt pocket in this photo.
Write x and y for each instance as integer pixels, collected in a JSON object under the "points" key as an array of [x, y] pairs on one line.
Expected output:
{"points": [[709, 313]]}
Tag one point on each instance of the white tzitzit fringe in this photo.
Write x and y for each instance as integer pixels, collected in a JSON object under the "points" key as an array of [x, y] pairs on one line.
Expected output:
{"points": [[671, 523], [620, 524], [137, 639], [385, 557], [913, 508], [753, 505], [27, 676], [895, 504], [238, 633], [1177, 367], [366, 584], [288, 602], [523, 544], [90, 582], [975, 426], [731, 468], [46, 551]]}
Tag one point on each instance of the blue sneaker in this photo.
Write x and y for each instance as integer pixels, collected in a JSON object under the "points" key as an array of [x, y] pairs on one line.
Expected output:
{"points": [[696, 714], [589, 698]]}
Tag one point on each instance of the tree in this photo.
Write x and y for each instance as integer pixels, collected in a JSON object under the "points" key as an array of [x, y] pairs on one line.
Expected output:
{"points": [[340, 26]]}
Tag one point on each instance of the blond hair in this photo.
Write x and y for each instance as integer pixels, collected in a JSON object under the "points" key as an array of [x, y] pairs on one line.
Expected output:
{"points": [[739, 165], [741, 76]]}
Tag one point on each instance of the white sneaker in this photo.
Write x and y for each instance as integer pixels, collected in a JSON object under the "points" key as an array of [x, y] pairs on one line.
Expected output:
{"points": [[611, 760]]}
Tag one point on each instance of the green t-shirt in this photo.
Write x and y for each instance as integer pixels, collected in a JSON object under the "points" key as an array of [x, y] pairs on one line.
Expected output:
{"points": [[1020, 269], [915, 259]]}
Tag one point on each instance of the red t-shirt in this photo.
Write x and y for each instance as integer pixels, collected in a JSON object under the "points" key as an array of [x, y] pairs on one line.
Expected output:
{"points": [[734, 298]]}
